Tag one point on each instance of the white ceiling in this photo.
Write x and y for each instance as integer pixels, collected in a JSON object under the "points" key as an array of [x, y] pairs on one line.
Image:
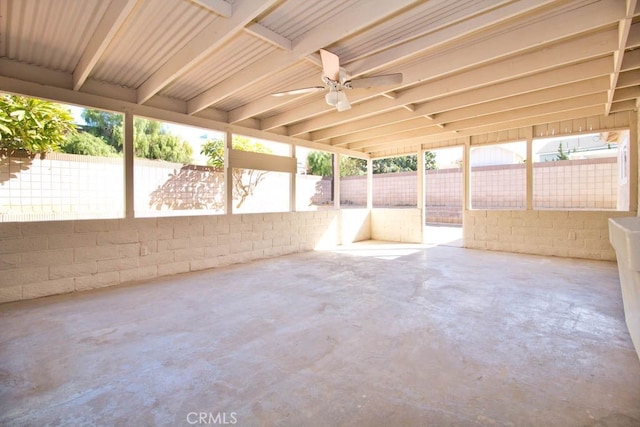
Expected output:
{"points": [[469, 66]]}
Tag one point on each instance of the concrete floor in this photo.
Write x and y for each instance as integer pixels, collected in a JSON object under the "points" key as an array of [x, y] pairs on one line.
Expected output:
{"points": [[443, 235], [370, 335]]}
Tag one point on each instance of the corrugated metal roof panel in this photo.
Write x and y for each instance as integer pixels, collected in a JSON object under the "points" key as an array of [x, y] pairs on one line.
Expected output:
{"points": [[154, 32], [240, 52], [285, 80], [414, 22], [302, 101], [295, 17], [38, 32]]}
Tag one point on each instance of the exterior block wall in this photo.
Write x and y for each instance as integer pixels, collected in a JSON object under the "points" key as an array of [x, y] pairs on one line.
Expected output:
{"points": [[574, 234], [46, 258]]}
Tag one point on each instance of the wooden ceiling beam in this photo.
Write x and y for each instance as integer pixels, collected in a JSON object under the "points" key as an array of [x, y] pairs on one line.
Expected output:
{"points": [[113, 18], [219, 7], [624, 26], [200, 46], [494, 127], [488, 109], [588, 46], [359, 16], [482, 13], [478, 123], [532, 83]]}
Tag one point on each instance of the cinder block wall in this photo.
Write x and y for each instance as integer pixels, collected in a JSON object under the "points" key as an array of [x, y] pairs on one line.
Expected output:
{"points": [[397, 225], [46, 258], [574, 234]]}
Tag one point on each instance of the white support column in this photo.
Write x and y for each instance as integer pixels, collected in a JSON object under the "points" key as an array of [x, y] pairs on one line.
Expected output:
{"points": [[420, 180], [336, 180], [529, 164], [420, 185], [466, 176], [292, 181], [228, 174], [129, 195], [369, 184], [633, 153]]}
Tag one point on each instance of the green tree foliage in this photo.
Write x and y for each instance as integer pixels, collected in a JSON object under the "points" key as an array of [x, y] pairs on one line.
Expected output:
{"points": [[151, 139], [154, 142], [319, 163], [88, 145], [561, 154], [245, 181], [105, 125], [396, 164], [33, 125], [352, 166], [430, 160]]}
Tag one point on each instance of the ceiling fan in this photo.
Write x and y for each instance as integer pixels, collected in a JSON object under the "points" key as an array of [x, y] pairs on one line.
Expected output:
{"points": [[336, 80]]}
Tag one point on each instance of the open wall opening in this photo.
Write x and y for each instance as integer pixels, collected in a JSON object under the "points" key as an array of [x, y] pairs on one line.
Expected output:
{"points": [[256, 188], [498, 176], [353, 182], [580, 171], [394, 182], [444, 186], [59, 162], [314, 180], [178, 170]]}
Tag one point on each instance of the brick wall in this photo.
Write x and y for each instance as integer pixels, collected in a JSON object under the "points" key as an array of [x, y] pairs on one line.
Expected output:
{"points": [[575, 234], [46, 258]]}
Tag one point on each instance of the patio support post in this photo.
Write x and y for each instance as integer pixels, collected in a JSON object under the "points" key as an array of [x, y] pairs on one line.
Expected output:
{"points": [[292, 180], [529, 165], [369, 183], [336, 180], [466, 175], [420, 183], [129, 197], [228, 174], [633, 159]]}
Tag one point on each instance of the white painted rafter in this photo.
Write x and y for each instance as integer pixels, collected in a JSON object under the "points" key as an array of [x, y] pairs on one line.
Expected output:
{"points": [[269, 36], [219, 7], [209, 39], [624, 26], [487, 48], [583, 73], [428, 41], [358, 17], [113, 18], [594, 87]]}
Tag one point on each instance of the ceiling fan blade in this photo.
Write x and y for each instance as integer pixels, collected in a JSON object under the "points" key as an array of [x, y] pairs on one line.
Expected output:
{"points": [[383, 80], [300, 91], [343, 102], [330, 64]]}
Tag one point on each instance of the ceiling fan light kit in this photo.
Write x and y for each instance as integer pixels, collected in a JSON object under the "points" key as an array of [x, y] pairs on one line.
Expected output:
{"points": [[332, 98], [336, 80]]}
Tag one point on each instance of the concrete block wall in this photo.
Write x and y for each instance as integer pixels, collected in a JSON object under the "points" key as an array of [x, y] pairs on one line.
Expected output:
{"points": [[355, 225], [397, 225], [574, 234], [47, 258]]}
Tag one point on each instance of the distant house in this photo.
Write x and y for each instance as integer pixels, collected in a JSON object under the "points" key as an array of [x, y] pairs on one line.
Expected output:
{"points": [[580, 147]]}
